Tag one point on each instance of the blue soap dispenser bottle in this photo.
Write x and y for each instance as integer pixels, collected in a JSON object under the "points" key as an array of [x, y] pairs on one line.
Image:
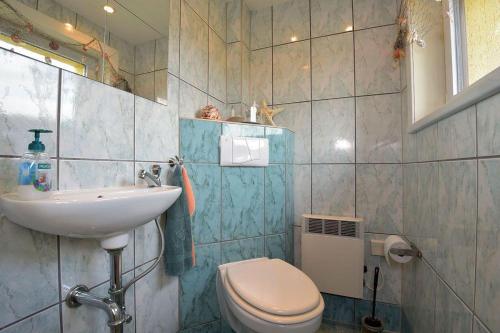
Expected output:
{"points": [[35, 170]]}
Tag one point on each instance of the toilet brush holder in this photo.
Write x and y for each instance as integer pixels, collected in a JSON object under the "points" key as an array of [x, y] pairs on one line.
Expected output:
{"points": [[371, 325]]}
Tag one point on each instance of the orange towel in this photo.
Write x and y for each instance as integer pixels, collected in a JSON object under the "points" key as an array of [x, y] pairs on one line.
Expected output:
{"points": [[189, 195]]}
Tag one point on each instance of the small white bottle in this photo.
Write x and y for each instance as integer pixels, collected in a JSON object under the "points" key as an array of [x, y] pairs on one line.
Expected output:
{"points": [[34, 180], [253, 113]]}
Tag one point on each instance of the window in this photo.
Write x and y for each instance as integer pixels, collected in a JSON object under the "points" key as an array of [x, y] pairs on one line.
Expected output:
{"points": [[40, 54]]}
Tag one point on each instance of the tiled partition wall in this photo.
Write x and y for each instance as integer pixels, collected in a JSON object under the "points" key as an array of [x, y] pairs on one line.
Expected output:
{"points": [[452, 213], [102, 137], [240, 212], [340, 90]]}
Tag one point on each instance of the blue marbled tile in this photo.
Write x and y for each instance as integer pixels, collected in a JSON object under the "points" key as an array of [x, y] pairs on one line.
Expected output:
{"points": [[45, 321], [289, 245], [488, 126], [225, 327], [487, 299], [275, 199], [379, 197], [289, 197], [275, 246], [277, 144], [457, 135], [338, 308], [242, 202], [452, 315], [243, 130], [200, 140], [206, 181], [290, 146], [198, 296], [242, 249], [213, 327], [455, 255], [390, 314]]}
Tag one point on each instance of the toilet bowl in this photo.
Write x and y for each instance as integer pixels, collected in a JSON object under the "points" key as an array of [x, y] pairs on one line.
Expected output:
{"points": [[268, 296]]}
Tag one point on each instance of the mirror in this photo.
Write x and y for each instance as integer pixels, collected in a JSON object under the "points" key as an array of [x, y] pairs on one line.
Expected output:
{"points": [[122, 43]]}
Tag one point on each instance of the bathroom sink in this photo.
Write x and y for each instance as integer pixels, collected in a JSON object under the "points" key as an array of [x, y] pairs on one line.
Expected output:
{"points": [[107, 214]]}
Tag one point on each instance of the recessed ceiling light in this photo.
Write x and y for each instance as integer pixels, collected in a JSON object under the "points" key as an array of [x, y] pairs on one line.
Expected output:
{"points": [[348, 28], [109, 9], [68, 26], [294, 38]]}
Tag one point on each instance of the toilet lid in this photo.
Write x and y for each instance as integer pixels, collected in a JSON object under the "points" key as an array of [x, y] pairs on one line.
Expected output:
{"points": [[274, 286]]}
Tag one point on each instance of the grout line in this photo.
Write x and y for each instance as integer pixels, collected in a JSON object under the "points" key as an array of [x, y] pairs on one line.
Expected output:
{"points": [[29, 316]]}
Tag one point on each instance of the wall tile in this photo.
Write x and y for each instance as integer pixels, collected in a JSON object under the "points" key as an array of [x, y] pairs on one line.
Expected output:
{"points": [[191, 100], [217, 17], [174, 37], [369, 13], [200, 7], [76, 174], [301, 192], [242, 249], [124, 49], [332, 66], [291, 21], [161, 53], [289, 196], [245, 75], [46, 321], [391, 288], [378, 129], [28, 90], [488, 250], [419, 295], [338, 308], [243, 198], [217, 67], [144, 85], [289, 248], [333, 126], [376, 71], [277, 144], [200, 140], [234, 72], [261, 75], [478, 327], [410, 200], [297, 247], [145, 57], [274, 215], [156, 131], [409, 140], [275, 246], [330, 17], [161, 86], [290, 146], [390, 314], [427, 148], [379, 195], [32, 256], [147, 242], [452, 315], [93, 113], [157, 302], [457, 135], [233, 21], [261, 28], [54, 10], [457, 226], [194, 48], [213, 327], [488, 126], [198, 296], [291, 72], [245, 24], [206, 182], [297, 117], [333, 189]]}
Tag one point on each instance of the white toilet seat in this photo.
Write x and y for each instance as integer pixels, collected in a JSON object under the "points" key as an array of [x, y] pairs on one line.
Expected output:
{"points": [[257, 320]]}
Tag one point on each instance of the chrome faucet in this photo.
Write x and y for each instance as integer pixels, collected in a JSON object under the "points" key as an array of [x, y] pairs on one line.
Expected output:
{"points": [[152, 178]]}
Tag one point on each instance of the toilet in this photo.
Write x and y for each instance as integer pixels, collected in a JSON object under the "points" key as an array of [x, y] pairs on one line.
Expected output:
{"points": [[268, 296]]}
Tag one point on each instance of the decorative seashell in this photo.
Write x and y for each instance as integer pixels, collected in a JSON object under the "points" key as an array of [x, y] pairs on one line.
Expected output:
{"points": [[210, 112]]}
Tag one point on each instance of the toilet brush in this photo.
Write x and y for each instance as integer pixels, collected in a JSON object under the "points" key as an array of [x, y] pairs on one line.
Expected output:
{"points": [[373, 324]]}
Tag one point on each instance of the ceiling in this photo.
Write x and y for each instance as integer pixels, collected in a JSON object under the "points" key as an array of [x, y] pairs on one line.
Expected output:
{"points": [[133, 21], [259, 4]]}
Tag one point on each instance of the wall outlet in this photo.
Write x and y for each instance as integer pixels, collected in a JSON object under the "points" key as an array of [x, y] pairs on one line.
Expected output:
{"points": [[377, 247]]}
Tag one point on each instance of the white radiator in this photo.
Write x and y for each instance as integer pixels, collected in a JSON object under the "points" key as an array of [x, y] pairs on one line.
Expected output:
{"points": [[333, 253]]}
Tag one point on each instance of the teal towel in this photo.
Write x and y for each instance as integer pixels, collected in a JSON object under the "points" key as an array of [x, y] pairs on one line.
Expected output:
{"points": [[178, 238]]}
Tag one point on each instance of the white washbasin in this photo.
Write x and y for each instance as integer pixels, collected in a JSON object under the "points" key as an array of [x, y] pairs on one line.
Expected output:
{"points": [[106, 213]]}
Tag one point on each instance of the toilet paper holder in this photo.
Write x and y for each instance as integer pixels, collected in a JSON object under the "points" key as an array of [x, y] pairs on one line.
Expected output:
{"points": [[414, 251]]}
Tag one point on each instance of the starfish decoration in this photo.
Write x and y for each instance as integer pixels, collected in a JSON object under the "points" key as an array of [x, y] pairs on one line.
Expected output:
{"points": [[268, 113]]}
